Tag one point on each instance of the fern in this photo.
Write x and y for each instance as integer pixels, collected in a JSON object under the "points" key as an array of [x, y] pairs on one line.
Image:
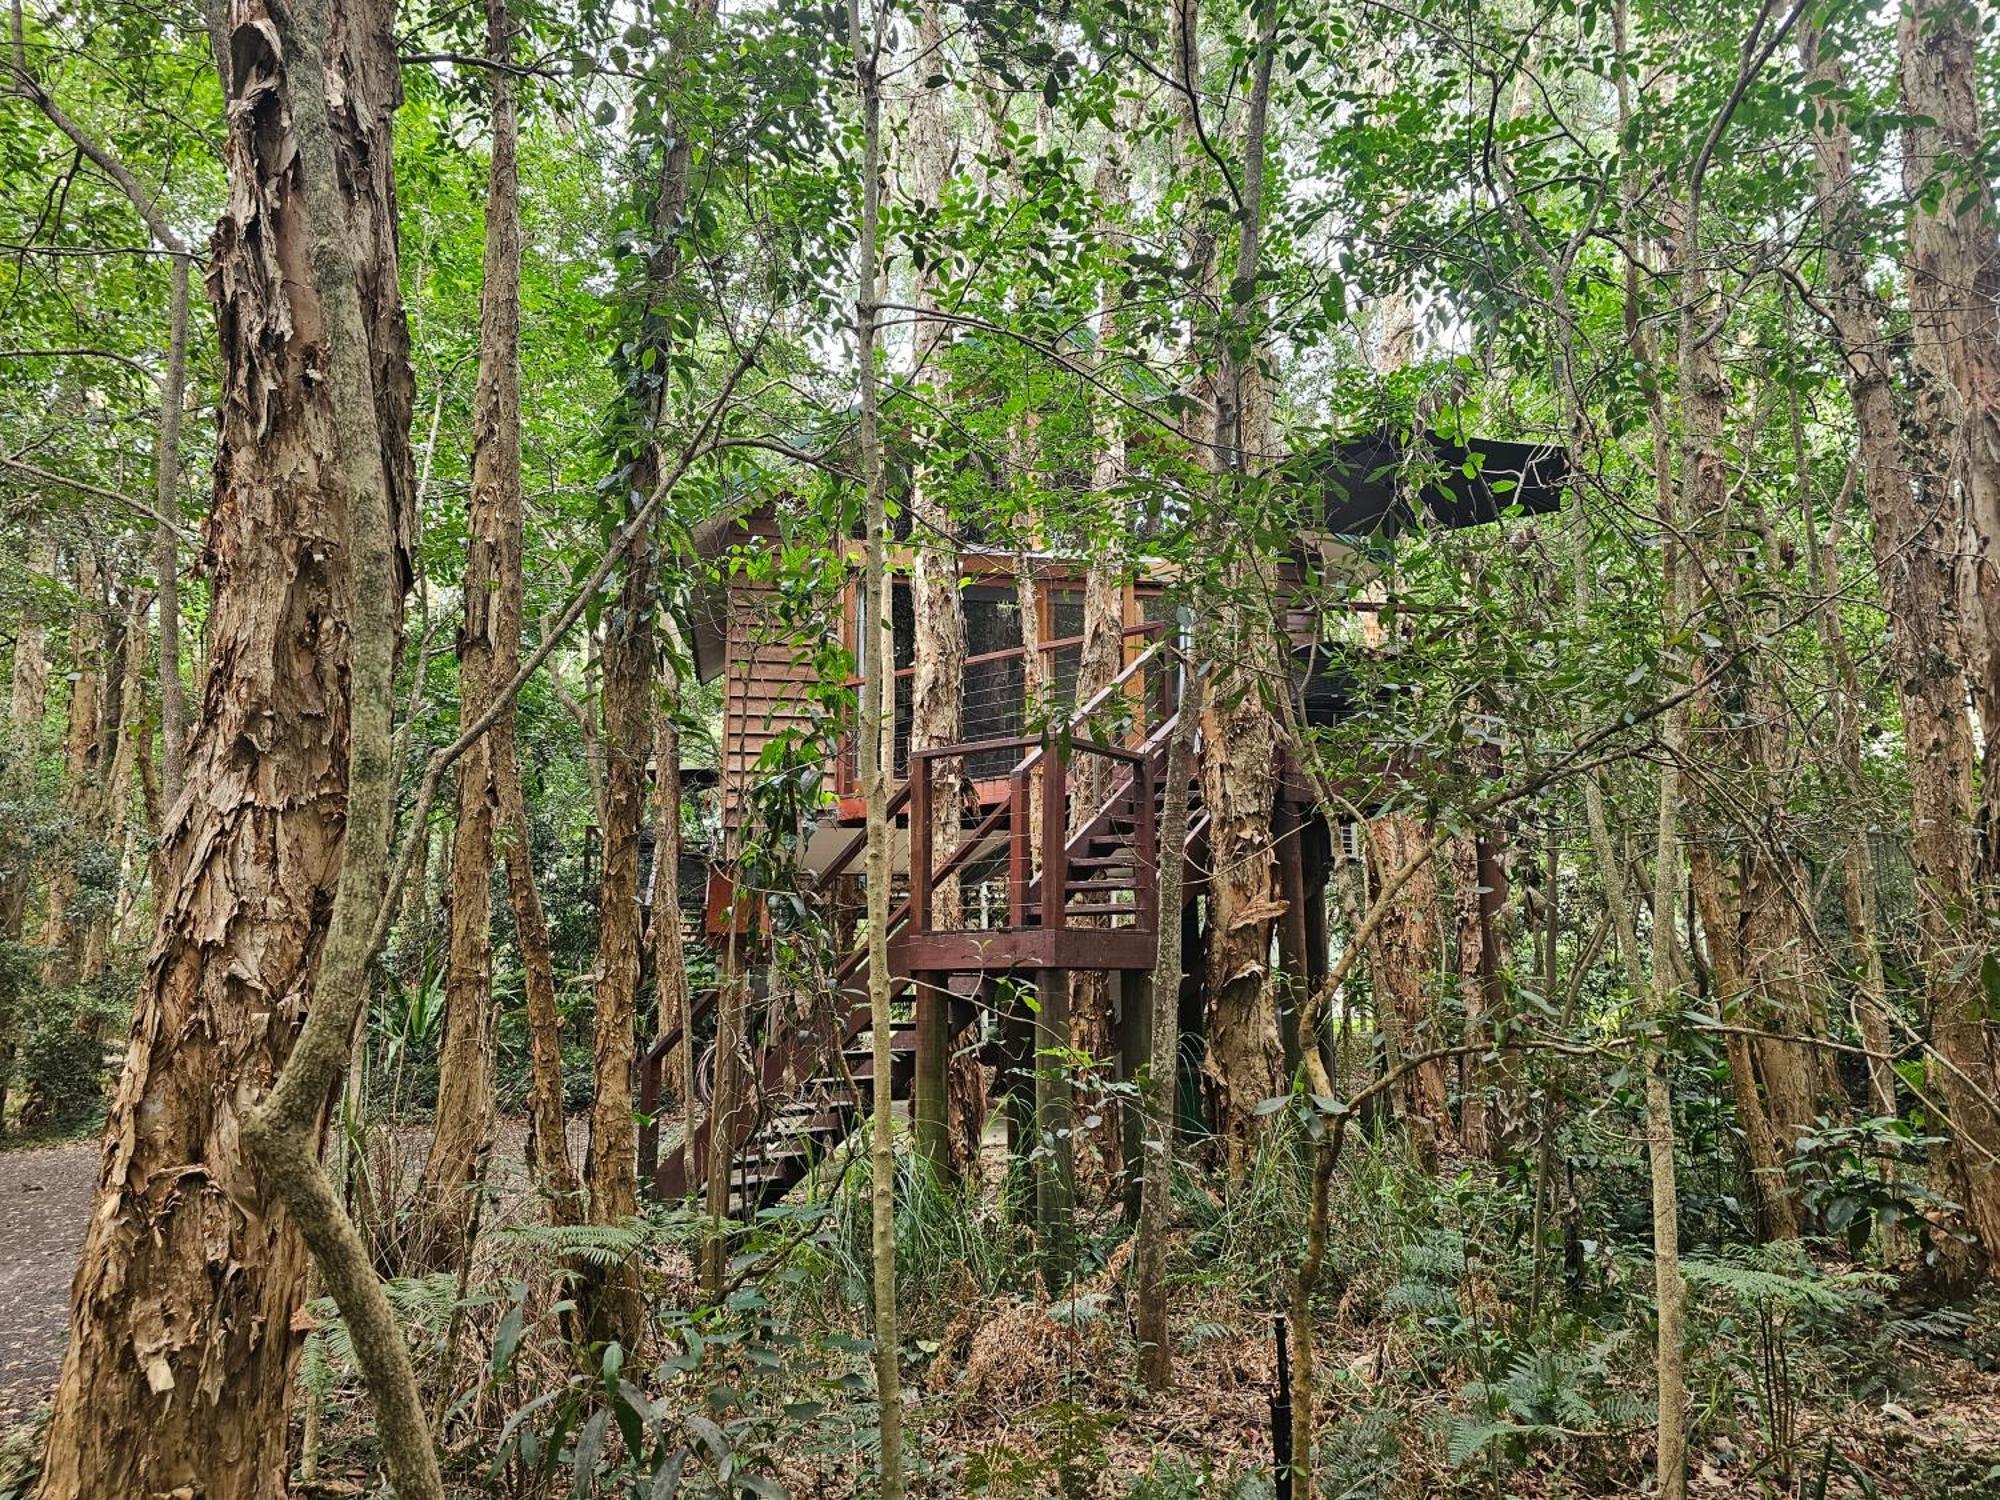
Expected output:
{"points": [[1781, 1281], [602, 1245], [1467, 1439], [316, 1372]]}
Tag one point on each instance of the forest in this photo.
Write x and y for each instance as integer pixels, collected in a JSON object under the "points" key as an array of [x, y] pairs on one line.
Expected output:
{"points": [[1122, 750]]}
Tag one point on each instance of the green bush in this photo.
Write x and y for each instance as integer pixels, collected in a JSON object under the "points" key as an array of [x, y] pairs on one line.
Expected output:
{"points": [[58, 1071]]}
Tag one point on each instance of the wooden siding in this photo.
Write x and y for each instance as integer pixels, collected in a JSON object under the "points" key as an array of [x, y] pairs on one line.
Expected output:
{"points": [[768, 682]]}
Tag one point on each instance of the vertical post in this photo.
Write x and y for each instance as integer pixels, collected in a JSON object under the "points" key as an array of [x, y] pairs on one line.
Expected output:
{"points": [[651, 1063], [1135, 1051], [1316, 854], [1055, 1182], [933, 1066], [1055, 834], [1291, 927], [1145, 858], [920, 842], [1020, 857]]}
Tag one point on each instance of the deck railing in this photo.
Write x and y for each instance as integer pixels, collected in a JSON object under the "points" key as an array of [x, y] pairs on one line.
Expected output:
{"points": [[994, 706], [1024, 841]]}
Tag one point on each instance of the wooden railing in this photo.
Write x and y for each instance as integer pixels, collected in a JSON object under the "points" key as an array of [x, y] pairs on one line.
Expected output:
{"points": [[1142, 695], [993, 701]]}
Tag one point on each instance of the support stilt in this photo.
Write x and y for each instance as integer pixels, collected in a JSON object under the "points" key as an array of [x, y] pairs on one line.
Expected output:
{"points": [[1055, 1178], [930, 1112], [1134, 999]]}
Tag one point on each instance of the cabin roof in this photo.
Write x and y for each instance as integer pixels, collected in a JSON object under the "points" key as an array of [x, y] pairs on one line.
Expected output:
{"points": [[1461, 484], [1366, 482]]}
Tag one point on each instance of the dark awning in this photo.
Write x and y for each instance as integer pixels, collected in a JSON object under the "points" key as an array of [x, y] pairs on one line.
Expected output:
{"points": [[1464, 484]]}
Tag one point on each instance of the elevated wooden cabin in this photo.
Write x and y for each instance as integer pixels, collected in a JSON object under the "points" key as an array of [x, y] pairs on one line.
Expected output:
{"points": [[1055, 854]]}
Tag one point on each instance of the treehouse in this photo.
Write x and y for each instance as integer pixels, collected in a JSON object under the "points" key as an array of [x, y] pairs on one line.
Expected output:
{"points": [[1046, 861]]}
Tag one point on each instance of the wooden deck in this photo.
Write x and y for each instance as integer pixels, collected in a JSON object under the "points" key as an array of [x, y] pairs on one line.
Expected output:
{"points": [[1058, 875]]}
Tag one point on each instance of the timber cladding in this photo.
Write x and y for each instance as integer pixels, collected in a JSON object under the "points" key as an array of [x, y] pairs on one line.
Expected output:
{"points": [[768, 675]]}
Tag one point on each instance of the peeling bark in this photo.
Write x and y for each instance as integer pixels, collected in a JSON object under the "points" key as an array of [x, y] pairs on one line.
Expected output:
{"points": [[183, 1315], [937, 686], [1245, 1061], [1954, 279], [1914, 536], [83, 767], [489, 649]]}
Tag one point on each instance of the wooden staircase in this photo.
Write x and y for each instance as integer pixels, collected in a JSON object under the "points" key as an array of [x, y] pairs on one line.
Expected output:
{"points": [[1041, 889]]}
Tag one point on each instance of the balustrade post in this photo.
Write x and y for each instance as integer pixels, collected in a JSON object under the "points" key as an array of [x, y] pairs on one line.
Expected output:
{"points": [[1020, 857], [1147, 860], [920, 843], [1055, 833]]}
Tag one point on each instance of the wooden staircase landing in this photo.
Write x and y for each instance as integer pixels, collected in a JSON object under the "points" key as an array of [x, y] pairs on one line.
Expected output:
{"points": [[1060, 874]]}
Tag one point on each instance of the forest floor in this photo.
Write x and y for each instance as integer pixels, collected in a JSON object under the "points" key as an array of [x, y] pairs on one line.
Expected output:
{"points": [[1015, 1398], [46, 1194]]}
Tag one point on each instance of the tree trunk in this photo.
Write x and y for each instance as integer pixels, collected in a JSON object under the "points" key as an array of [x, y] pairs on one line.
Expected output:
{"points": [[1954, 280], [611, 1169], [1102, 653], [1777, 1206], [1857, 862], [283, 1132], [877, 753], [83, 768], [670, 980], [465, 1106], [1402, 957], [1245, 1062], [127, 734], [548, 1135], [1149, 1253], [182, 1322], [166, 548], [1955, 327], [1915, 539], [937, 688]]}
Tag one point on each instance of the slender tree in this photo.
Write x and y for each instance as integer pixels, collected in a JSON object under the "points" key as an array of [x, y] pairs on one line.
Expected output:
{"points": [[878, 742], [488, 651]]}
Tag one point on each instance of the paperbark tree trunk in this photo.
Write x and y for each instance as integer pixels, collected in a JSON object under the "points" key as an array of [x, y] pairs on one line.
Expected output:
{"points": [[83, 765], [1954, 279], [488, 653], [283, 1132], [1245, 1062], [611, 1170], [1954, 282], [548, 1136], [1402, 957], [1102, 653], [1857, 862], [1777, 1205], [126, 734], [182, 1321], [1149, 1252], [166, 546], [937, 686], [670, 976]]}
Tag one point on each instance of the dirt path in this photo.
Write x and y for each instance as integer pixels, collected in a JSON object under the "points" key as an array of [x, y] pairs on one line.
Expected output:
{"points": [[45, 1199]]}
